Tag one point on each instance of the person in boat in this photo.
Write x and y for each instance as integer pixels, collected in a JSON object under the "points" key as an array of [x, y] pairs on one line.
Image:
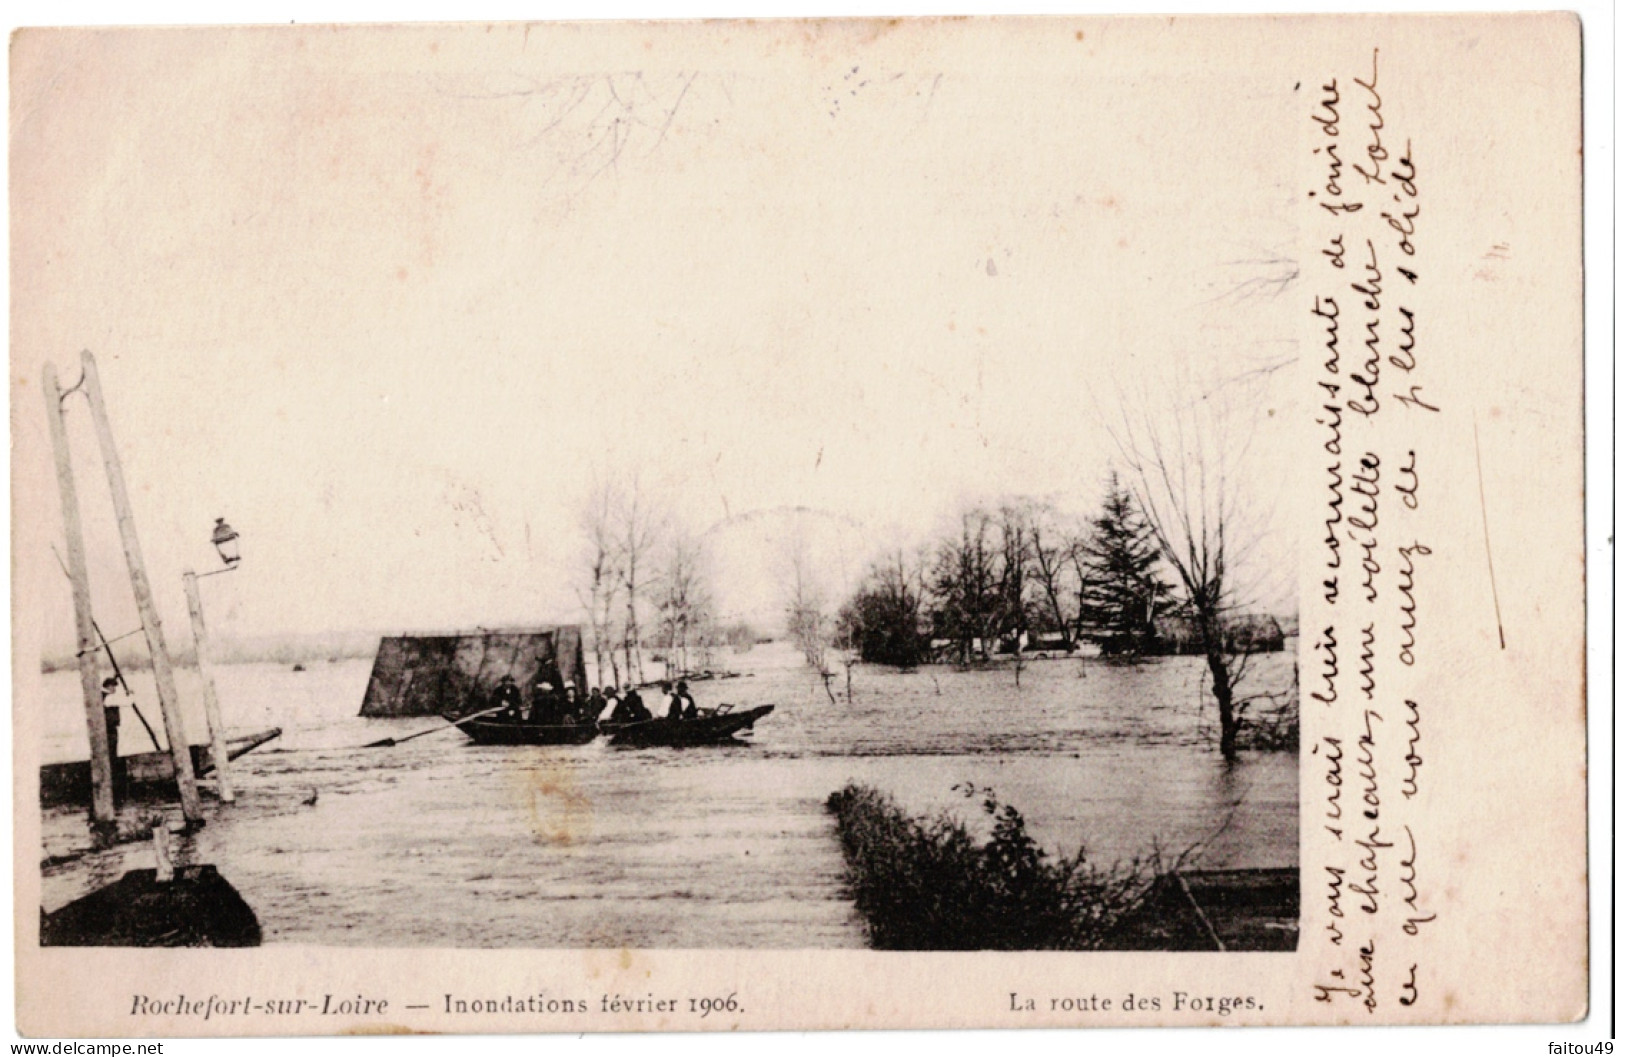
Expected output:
{"points": [[571, 708], [540, 689], [544, 692], [544, 704], [612, 702], [685, 700], [508, 698], [631, 708], [675, 702], [595, 705]]}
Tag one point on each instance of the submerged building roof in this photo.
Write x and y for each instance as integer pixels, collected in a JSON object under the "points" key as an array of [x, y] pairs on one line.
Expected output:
{"points": [[433, 673]]}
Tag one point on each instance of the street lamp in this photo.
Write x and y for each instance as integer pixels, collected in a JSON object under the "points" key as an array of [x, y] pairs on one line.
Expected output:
{"points": [[225, 541]]}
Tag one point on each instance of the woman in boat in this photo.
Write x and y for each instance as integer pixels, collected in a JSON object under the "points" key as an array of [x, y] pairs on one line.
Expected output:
{"points": [[543, 704], [544, 692]]}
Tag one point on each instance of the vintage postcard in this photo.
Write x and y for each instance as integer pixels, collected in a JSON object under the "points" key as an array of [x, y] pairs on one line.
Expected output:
{"points": [[1053, 522]]}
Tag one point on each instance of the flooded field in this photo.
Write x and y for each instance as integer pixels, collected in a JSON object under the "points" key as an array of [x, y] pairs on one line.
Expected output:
{"points": [[441, 843]]}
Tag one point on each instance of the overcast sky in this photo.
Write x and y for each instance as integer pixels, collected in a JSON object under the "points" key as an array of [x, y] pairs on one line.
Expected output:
{"points": [[389, 300]]}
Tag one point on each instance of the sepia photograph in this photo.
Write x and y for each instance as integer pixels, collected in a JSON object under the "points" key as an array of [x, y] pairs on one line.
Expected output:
{"points": [[841, 486], [929, 595]]}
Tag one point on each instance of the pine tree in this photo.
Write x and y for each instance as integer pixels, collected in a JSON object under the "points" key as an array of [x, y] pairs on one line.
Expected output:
{"points": [[1120, 594]]}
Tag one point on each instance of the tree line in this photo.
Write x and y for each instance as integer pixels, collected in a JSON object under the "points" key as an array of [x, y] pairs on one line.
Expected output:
{"points": [[1154, 570], [1012, 578], [1163, 552]]}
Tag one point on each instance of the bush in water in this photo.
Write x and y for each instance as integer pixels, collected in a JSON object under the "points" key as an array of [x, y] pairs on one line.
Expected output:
{"points": [[927, 884]]}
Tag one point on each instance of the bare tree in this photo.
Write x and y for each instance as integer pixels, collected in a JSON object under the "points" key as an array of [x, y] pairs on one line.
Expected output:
{"points": [[1015, 561], [966, 583], [1182, 468], [807, 620], [683, 599], [602, 574], [638, 528], [1050, 548], [880, 623]]}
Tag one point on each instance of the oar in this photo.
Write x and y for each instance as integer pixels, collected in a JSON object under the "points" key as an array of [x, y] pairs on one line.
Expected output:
{"points": [[107, 648], [387, 742]]}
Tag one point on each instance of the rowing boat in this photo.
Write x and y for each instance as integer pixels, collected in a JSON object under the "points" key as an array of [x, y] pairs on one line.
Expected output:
{"points": [[509, 732], [708, 728]]}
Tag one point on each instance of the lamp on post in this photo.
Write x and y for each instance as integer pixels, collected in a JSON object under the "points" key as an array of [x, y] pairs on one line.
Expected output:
{"points": [[225, 540]]}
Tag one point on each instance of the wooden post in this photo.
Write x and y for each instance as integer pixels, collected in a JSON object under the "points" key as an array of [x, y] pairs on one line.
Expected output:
{"points": [[211, 703], [101, 761], [168, 699], [165, 871]]}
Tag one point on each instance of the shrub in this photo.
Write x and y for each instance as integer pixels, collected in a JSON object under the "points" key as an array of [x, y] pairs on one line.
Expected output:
{"points": [[1273, 729], [1273, 726], [927, 884]]}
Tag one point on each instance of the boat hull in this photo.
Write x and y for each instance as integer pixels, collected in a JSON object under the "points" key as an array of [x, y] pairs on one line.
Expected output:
{"points": [[714, 729], [146, 774], [497, 732]]}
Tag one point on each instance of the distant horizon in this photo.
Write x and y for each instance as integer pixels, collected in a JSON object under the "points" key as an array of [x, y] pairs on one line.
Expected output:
{"points": [[346, 644]]}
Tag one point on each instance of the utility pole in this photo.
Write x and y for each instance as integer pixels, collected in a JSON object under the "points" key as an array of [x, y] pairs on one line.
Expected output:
{"points": [[102, 816], [211, 703], [168, 698]]}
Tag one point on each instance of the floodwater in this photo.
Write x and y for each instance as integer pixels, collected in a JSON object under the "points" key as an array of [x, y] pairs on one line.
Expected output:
{"points": [[441, 843]]}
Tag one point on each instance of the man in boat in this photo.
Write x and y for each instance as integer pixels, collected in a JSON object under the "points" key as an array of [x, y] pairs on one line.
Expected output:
{"points": [[570, 709], [631, 709], [595, 705], [508, 698], [683, 700]]}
